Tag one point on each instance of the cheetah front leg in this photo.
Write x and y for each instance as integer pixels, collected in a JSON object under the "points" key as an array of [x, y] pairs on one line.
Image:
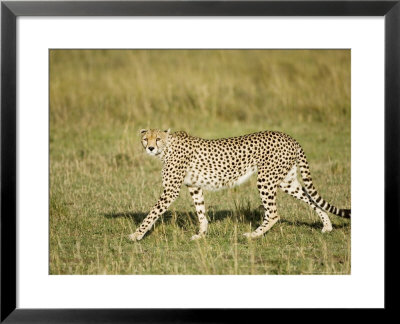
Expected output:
{"points": [[198, 199], [166, 199], [173, 175], [267, 188]]}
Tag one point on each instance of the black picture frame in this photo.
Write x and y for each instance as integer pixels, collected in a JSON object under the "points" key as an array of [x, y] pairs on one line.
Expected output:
{"points": [[11, 10]]}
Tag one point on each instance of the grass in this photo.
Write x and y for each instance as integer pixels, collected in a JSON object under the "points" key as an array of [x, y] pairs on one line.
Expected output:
{"points": [[102, 184]]}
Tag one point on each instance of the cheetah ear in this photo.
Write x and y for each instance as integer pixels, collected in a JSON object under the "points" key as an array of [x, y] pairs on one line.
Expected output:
{"points": [[142, 131], [167, 131]]}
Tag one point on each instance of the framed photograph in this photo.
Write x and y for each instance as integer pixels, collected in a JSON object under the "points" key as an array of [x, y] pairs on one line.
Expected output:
{"points": [[185, 161]]}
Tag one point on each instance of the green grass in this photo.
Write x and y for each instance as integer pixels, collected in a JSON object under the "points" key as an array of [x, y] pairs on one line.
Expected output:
{"points": [[102, 184]]}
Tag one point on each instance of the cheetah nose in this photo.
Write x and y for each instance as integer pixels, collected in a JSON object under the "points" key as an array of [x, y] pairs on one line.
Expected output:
{"points": [[151, 148]]}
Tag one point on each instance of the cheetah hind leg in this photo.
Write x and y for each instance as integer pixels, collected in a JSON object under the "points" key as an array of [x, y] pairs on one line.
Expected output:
{"points": [[198, 199], [292, 186], [268, 198]]}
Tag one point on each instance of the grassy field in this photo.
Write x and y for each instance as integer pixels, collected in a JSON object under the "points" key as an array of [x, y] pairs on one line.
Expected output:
{"points": [[102, 183]]}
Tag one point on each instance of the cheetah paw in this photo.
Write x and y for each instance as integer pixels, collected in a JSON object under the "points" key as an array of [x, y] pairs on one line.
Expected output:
{"points": [[250, 235], [136, 236], [327, 229], [196, 237]]}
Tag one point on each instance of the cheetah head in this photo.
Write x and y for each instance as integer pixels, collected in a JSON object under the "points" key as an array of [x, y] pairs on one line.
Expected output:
{"points": [[154, 140]]}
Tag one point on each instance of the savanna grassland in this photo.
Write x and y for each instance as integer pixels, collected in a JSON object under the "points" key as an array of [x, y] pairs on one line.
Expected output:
{"points": [[102, 184]]}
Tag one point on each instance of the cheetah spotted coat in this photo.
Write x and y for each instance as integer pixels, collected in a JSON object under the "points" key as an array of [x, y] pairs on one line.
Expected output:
{"points": [[203, 164]]}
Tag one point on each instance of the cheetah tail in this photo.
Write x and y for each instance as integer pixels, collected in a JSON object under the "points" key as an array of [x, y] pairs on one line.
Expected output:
{"points": [[312, 192]]}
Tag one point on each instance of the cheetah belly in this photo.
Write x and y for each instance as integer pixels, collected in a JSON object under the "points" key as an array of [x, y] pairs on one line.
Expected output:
{"points": [[212, 182], [243, 178]]}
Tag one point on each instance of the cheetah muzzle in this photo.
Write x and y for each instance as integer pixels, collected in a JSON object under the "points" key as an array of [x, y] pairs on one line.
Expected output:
{"points": [[203, 164]]}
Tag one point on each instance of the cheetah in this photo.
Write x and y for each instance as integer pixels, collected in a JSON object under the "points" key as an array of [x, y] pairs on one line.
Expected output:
{"points": [[213, 164]]}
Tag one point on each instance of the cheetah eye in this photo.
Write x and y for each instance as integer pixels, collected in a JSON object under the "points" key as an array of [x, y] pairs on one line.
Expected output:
{"points": [[145, 139], [158, 139]]}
